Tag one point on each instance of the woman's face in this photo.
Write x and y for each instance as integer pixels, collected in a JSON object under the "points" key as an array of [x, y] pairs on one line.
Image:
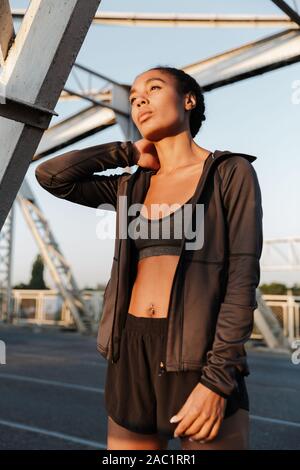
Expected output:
{"points": [[155, 92]]}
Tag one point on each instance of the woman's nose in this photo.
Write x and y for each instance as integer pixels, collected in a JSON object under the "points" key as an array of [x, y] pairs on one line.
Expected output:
{"points": [[142, 100]]}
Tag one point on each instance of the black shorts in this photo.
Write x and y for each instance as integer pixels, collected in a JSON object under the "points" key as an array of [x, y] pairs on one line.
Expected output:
{"points": [[141, 398]]}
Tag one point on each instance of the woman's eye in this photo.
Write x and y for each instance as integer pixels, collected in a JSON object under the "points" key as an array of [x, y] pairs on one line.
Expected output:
{"points": [[153, 86]]}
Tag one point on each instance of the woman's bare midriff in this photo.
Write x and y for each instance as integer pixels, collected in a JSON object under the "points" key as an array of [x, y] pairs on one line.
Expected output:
{"points": [[152, 286]]}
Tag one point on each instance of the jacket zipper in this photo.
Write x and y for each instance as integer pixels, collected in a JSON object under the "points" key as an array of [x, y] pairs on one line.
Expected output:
{"points": [[117, 289], [162, 366], [129, 188]]}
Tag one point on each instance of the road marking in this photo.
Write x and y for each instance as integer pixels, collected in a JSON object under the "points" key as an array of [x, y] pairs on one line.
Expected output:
{"points": [[39, 356], [278, 387], [275, 421], [101, 390], [58, 435], [56, 383]]}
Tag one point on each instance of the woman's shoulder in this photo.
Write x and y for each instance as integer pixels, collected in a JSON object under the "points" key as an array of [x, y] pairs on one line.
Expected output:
{"points": [[239, 162], [237, 173]]}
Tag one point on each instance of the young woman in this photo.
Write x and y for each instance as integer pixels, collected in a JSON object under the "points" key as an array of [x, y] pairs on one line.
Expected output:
{"points": [[175, 319]]}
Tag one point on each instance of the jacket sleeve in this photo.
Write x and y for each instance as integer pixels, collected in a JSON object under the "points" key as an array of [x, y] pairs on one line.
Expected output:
{"points": [[243, 213], [71, 176]]}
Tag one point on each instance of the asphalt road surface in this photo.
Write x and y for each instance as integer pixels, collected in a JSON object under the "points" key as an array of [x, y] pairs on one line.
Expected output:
{"points": [[52, 393]]}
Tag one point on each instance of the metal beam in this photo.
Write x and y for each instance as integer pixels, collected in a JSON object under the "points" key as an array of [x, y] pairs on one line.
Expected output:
{"points": [[37, 68], [120, 96], [251, 59], [288, 10], [268, 324], [28, 113], [6, 248], [195, 20], [59, 268], [237, 64], [281, 254], [86, 122], [96, 74], [125, 112], [89, 121]]}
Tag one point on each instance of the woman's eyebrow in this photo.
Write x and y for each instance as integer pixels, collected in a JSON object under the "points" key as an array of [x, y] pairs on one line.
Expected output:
{"points": [[132, 90]]}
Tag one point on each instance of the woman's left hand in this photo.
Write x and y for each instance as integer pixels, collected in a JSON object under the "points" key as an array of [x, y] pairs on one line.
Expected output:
{"points": [[201, 415]]}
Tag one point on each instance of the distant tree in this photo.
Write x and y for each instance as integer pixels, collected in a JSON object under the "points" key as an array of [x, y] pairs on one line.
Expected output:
{"points": [[21, 286], [37, 276], [275, 288], [296, 289]]}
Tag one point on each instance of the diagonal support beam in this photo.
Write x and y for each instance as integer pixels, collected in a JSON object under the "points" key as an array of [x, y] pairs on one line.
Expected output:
{"points": [[251, 59], [59, 268], [35, 73], [288, 10]]}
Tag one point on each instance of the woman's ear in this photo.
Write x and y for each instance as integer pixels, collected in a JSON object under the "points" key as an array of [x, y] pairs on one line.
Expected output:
{"points": [[190, 101]]}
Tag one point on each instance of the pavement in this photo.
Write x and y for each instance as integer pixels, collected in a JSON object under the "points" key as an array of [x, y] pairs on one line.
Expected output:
{"points": [[53, 382]]}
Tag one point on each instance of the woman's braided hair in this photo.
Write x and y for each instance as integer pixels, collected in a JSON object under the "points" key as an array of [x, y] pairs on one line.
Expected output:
{"points": [[186, 83]]}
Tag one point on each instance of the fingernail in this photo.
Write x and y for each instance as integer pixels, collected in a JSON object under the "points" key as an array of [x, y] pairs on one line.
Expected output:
{"points": [[190, 439], [202, 442], [173, 419]]}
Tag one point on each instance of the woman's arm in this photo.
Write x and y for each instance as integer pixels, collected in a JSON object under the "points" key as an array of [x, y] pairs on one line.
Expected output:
{"points": [[202, 413], [242, 201], [71, 176]]}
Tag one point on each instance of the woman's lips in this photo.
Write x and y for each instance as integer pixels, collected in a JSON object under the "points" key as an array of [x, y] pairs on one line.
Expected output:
{"points": [[145, 116]]}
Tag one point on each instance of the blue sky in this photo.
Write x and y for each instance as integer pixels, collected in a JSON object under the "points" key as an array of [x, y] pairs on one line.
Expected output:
{"points": [[255, 116]]}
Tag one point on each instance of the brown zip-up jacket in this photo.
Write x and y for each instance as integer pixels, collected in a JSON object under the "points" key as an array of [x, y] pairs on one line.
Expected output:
{"points": [[213, 296]]}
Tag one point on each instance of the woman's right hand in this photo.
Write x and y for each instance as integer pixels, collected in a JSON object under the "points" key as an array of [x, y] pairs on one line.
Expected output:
{"points": [[146, 154]]}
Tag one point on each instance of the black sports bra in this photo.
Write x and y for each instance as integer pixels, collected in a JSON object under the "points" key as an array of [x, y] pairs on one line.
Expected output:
{"points": [[162, 236]]}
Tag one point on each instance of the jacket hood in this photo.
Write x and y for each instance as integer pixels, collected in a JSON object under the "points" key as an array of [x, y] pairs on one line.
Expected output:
{"points": [[221, 153]]}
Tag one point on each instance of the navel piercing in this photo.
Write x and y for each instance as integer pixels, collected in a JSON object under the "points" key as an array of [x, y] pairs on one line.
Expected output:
{"points": [[152, 309]]}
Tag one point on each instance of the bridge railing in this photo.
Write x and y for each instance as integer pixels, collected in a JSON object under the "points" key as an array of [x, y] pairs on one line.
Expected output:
{"points": [[46, 307]]}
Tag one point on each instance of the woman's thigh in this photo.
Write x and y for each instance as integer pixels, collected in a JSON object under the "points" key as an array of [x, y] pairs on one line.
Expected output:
{"points": [[233, 435], [120, 438]]}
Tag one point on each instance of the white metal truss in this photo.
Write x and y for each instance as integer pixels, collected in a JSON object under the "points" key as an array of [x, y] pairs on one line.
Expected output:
{"points": [[36, 67], [108, 106], [268, 324], [252, 59], [281, 254], [53, 258], [208, 20], [6, 247]]}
